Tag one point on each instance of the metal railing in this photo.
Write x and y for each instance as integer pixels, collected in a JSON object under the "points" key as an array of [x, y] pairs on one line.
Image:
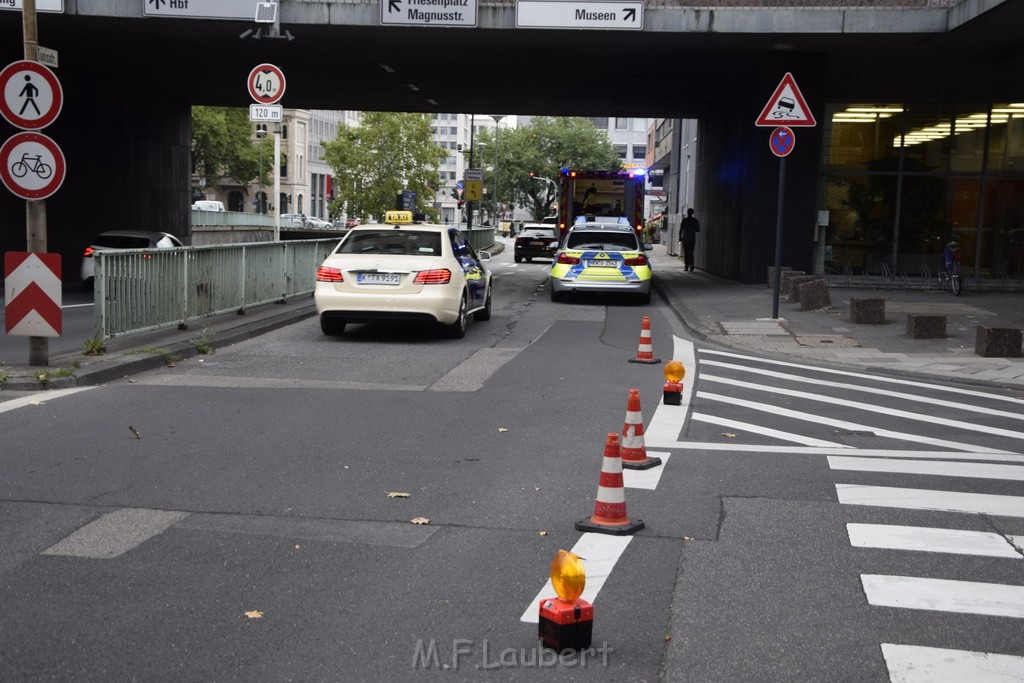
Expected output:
{"points": [[137, 290]]}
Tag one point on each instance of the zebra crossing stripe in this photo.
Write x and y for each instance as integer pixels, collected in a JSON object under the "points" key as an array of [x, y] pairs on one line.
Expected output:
{"points": [[599, 553], [668, 421], [765, 431], [917, 664], [971, 470], [932, 540], [944, 595], [926, 499], [844, 424]]}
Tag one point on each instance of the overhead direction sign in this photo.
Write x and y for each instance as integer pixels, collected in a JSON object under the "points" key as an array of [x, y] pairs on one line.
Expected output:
{"points": [[266, 84], [596, 14], [32, 96], [31, 165], [32, 290], [41, 5], [201, 9], [786, 107], [428, 12]]}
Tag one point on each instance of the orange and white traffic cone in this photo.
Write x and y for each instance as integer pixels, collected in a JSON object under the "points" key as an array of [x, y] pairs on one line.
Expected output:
{"points": [[610, 507], [645, 352], [632, 448]]}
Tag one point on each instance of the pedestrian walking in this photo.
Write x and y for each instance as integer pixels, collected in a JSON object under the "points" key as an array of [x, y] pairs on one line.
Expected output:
{"points": [[688, 229]]}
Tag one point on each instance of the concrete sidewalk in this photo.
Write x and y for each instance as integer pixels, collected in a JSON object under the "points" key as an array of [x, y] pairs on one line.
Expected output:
{"points": [[740, 316]]}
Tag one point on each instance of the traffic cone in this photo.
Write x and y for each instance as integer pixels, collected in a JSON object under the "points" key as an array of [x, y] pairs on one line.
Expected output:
{"points": [[633, 451], [645, 353], [610, 507]]}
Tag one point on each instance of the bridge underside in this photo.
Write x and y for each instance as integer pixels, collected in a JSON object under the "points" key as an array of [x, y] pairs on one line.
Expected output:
{"points": [[129, 83]]}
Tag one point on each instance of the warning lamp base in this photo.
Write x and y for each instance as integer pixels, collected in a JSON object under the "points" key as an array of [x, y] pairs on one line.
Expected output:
{"points": [[672, 394], [565, 625], [648, 361], [645, 464]]}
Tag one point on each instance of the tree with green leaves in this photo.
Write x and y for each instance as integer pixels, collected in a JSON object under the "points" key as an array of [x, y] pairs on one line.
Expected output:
{"points": [[543, 147], [223, 146], [387, 153]]}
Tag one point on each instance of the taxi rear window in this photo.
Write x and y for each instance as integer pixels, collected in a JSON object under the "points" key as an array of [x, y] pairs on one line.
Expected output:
{"points": [[605, 241], [404, 243]]}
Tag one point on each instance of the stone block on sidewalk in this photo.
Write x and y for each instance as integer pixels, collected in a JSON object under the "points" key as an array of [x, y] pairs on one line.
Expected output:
{"points": [[771, 275], [998, 342], [794, 286], [926, 326], [814, 295], [867, 311], [787, 280]]}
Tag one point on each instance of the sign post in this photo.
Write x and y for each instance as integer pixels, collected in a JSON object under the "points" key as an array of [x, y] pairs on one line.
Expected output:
{"points": [[785, 108], [266, 84]]}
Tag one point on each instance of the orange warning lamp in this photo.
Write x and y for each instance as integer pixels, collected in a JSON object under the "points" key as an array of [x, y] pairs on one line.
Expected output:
{"points": [[568, 576], [673, 389]]}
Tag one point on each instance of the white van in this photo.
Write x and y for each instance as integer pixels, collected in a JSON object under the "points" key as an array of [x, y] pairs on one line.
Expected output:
{"points": [[208, 205]]}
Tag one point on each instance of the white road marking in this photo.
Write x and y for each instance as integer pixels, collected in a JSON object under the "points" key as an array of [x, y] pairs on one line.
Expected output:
{"points": [[932, 540], [669, 421], [925, 499], [844, 424], [645, 479], [599, 552], [960, 391], [765, 431], [944, 595], [918, 664], [945, 469], [866, 407], [37, 397], [847, 386], [115, 533]]}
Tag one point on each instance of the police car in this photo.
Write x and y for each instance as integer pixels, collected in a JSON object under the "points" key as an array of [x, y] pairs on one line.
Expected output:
{"points": [[604, 256], [403, 270]]}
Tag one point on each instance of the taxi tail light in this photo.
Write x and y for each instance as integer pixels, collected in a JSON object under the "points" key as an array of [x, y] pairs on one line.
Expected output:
{"points": [[441, 276], [640, 260], [567, 260], [325, 274]]}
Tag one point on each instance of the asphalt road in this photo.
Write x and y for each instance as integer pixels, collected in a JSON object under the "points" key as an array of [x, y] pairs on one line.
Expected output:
{"points": [[230, 517]]}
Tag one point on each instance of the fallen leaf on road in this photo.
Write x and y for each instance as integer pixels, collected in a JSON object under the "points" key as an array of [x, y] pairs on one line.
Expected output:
{"points": [[254, 614], [502, 429], [729, 435], [398, 494], [297, 546], [135, 432], [36, 403], [536, 488], [420, 520], [668, 638], [687, 538], [542, 533]]}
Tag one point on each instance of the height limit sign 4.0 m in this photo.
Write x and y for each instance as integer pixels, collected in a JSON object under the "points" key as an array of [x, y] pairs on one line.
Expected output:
{"points": [[266, 84]]}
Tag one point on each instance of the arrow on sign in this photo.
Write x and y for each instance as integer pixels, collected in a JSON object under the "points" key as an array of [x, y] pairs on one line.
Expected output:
{"points": [[630, 13], [394, 6], [157, 3], [33, 291]]}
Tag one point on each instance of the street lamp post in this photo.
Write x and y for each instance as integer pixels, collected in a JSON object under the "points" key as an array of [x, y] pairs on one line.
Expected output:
{"points": [[494, 203]]}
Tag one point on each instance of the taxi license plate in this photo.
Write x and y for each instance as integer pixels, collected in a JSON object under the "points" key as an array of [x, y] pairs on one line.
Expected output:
{"points": [[379, 279], [602, 264]]}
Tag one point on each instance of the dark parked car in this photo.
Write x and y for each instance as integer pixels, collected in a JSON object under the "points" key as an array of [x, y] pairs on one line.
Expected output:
{"points": [[536, 240]]}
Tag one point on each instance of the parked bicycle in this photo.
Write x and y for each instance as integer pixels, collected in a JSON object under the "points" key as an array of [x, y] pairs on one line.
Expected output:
{"points": [[35, 164], [952, 275]]}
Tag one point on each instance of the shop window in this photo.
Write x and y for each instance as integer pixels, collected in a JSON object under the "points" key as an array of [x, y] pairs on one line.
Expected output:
{"points": [[858, 136], [861, 211], [1006, 145]]}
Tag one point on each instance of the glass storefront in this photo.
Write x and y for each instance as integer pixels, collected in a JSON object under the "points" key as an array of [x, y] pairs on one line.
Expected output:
{"points": [[901, 180]]}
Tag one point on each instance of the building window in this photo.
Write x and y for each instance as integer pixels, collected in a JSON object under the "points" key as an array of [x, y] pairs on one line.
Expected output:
{"points": [[621, 124], [639, 152], [621, 151]]}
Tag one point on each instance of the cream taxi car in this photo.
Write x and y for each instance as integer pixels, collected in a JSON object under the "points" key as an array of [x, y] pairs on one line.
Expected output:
{"points": [[403, 270]]}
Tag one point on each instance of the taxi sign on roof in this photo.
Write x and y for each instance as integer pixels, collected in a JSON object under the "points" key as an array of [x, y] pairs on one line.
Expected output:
{"points": [[398, 217]]}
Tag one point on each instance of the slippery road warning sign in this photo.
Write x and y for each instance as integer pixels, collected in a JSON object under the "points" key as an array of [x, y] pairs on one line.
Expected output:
{"points": [[786, 107]]}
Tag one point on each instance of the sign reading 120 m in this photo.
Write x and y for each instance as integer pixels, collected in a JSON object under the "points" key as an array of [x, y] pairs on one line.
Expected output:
{"points": [[596, 14], [428, 12]]}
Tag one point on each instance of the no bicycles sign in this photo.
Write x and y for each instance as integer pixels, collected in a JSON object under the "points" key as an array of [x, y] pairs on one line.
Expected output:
{"points": [[31, 165]]}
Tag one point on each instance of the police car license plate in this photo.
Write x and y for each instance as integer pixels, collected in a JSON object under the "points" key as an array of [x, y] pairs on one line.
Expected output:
{"points": [[602, 264], [379, 279]]}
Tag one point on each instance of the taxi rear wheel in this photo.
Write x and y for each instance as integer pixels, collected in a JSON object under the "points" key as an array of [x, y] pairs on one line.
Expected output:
{"points": [[331, 328], [485, 312], [457, 330]]}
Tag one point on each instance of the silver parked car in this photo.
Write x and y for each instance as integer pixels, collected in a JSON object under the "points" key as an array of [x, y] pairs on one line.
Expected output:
{"points": [[123, 239]]}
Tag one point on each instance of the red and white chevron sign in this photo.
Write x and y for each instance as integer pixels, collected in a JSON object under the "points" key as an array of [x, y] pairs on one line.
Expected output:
{"points": [[33, 294]]}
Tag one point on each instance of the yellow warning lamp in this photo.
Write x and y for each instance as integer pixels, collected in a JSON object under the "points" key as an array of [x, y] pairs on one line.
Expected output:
{"points": [[568, 576], [673, 389]]}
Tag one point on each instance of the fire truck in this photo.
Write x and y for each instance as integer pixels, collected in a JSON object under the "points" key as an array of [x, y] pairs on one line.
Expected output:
{"points": [[601, 194]]}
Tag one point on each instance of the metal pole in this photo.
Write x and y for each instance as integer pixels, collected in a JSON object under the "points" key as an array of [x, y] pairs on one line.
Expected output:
{"points": [[469, 205], [494, 203], [277, 182], [778, 239], [35, 210]]}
